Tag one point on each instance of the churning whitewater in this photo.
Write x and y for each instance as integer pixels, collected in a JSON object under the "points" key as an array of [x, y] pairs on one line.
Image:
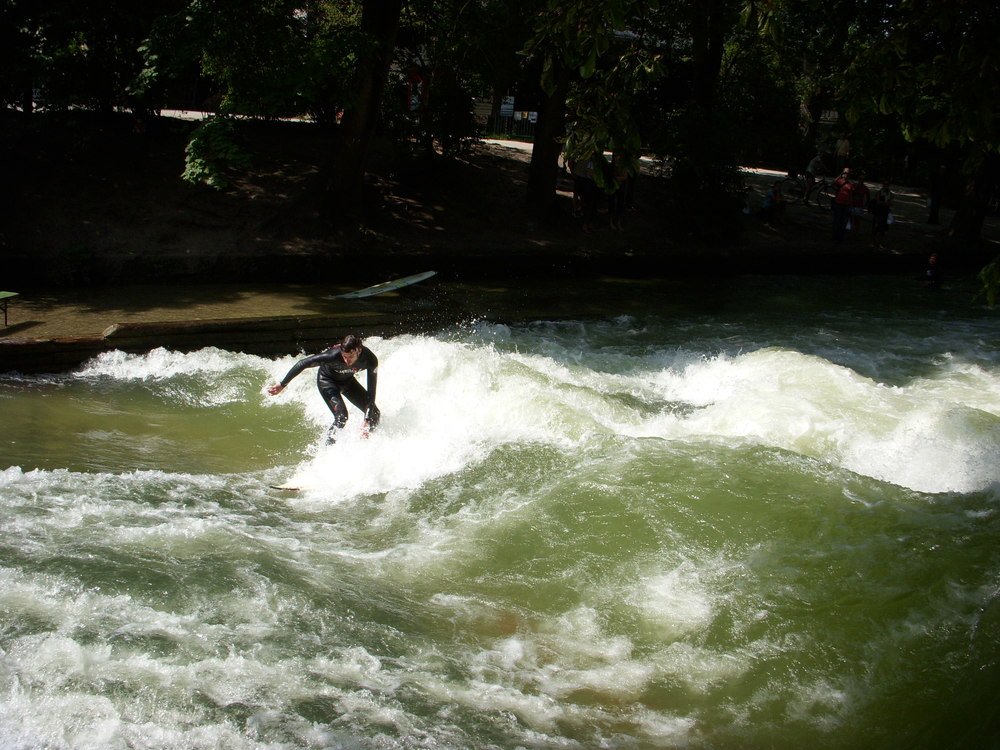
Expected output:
{"points": [[764, 520]]}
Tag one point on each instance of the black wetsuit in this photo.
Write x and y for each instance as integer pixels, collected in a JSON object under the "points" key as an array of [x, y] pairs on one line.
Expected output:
{"points": [[335, 380]]}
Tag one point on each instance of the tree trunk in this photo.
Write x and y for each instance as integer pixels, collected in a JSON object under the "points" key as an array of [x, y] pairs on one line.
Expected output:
{"points": [[967, 223], [543, 173], [379, 24], [973, 207], [710, 25]]}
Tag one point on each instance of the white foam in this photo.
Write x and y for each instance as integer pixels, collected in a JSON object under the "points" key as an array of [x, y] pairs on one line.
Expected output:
{"points": [[802, 403], [447, 404], [159, 364], [540, 673], [674, 603], [461, 402]]}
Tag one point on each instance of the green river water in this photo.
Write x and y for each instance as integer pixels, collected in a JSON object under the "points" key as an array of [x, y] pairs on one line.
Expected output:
{"points": [[768, 518]]}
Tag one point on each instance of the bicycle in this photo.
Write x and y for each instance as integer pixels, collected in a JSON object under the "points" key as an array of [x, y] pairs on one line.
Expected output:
{"points": [[820, 193]]}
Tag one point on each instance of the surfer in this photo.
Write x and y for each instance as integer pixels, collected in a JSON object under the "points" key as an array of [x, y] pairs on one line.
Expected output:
{"points": [[335, 379]]}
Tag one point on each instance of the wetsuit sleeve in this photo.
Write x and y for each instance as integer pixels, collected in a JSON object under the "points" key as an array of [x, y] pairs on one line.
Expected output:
{"points": [[372, 379], [314, 361]]}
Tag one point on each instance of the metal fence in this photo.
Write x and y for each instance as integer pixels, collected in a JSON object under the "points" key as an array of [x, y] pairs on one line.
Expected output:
{"points": [[520, 126]]}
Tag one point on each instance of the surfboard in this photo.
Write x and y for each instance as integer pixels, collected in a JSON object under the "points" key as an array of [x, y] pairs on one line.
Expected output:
{"points": [[289, 487], [385, 286]]}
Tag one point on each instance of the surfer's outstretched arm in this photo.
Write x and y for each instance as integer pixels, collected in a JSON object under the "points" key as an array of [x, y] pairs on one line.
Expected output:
{"points": [[302, 364]]}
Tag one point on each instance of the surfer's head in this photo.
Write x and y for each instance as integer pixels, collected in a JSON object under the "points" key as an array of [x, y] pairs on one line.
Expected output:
{"points": [[350, 349]]}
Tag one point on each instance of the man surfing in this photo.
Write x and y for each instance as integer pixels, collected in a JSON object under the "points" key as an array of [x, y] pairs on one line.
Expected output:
{"points": [[335, 379]]}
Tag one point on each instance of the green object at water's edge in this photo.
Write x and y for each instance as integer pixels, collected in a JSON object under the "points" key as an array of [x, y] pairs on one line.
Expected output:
{"points": [[989, 277]]}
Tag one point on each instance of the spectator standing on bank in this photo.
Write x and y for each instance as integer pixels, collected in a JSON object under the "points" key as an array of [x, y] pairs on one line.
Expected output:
{"points": [[584, 192], [881, 209], [578, 172], [843, 200], [816, 168], [773, 209], [859, 201], [620, 175], [936, 194]]}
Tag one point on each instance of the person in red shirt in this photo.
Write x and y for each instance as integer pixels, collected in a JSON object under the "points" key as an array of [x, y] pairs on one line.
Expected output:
{"points": [[859, 201], [843, 201]]}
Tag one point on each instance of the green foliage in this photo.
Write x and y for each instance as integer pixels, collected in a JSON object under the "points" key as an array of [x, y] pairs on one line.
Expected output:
{"points": [[80, 53], [989, 278], [602, 111], [19, 54], [252, 51], [211, 152], [322, 77], [936, 68], [758, 96], [267, 59], [443, 53], [588, 37], [609, 67], [432, 114], [705, 188], [705, 82]]}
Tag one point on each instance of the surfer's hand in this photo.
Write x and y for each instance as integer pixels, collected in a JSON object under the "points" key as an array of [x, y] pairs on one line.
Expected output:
{"points": [[275, 389]]}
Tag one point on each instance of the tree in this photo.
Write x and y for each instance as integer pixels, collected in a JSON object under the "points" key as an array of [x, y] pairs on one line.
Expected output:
{"points": [[78, 54], [935, 66], [593, 65], [446, 52], [286, 57], [379, 25], [277, 58], [19, 54]]}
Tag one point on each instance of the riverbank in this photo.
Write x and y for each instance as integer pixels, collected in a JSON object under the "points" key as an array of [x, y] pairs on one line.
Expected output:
{"points": [[102, 204], [138, 251]]}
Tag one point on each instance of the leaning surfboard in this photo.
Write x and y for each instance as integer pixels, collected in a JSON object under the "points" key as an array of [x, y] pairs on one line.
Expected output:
{"points": [[386, 286]]}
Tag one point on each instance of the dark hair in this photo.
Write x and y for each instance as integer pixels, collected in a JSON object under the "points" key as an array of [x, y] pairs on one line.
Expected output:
{"points": [[350, 343]]}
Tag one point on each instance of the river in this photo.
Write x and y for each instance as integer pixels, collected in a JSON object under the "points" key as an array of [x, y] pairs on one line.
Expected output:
{"points": [[764, 512]]}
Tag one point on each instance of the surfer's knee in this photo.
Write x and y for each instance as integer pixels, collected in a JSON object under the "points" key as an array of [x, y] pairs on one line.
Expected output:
{"points": [[339, 416]]}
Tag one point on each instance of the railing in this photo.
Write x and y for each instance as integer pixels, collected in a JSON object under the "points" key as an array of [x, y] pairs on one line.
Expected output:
{"points": [[521, 126]]}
